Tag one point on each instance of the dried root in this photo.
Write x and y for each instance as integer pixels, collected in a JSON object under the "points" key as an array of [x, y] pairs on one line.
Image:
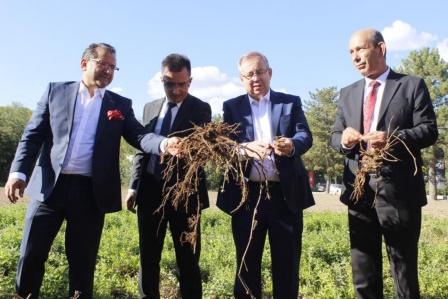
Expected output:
{"points": [[372, 161], [209, 143]]}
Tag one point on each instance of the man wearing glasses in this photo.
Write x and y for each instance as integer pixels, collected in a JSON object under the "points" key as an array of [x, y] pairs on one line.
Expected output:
{"points": [[172, 114], [277, 165], [76, 131]]}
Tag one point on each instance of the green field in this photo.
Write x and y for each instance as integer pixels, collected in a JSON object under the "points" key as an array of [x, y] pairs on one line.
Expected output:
{"points": [[325, 267]]}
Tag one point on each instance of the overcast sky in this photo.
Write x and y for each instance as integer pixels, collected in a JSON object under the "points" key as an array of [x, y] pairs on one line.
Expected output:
{"points": [[306, 42]]}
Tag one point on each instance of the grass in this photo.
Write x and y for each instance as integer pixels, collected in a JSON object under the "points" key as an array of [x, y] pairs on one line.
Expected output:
{"points": [[325, 267]]}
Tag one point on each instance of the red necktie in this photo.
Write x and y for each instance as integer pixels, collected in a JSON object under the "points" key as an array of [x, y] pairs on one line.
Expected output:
{"points": [[369, 106]]}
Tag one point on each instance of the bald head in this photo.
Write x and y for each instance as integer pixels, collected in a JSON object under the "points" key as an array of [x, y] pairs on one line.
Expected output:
{"points": [[368, 52]]}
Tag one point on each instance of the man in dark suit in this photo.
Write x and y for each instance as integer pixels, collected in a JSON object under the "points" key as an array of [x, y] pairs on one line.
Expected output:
{"points": [[264, 114], [76, 128], [147, 188], [393, 194]]}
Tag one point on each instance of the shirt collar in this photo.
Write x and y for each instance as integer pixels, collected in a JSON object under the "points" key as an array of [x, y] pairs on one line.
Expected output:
{"points": [[83, 89], [168, 100], [381, 79], [266, 96]]}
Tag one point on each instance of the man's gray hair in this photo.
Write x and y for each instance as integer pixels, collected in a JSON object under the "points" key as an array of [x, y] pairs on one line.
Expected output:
{"points": [[252, 54], [90, 52]]}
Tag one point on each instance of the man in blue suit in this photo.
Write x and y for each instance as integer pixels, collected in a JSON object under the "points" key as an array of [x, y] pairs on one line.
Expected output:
{"points": [[263, 115], [75, 130]]}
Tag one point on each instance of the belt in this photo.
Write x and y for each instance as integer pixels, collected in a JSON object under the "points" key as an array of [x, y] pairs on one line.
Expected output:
{"points": [[74, 178]]}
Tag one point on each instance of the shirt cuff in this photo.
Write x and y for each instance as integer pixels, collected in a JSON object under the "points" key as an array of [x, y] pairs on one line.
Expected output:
{"points": [[292, 151], [17, 175], [162, 146], [347, 148]]}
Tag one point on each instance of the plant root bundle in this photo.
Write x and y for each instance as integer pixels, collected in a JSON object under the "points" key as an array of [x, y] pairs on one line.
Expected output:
{"points": [[208, 143], [372, 161]]}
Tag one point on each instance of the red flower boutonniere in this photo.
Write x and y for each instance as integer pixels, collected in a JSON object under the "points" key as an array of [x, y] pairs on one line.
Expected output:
{"points": [[114, 115]]}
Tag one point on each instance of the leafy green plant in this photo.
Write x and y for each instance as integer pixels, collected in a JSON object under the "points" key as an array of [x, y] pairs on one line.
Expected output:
{"points": [[325, 270]]}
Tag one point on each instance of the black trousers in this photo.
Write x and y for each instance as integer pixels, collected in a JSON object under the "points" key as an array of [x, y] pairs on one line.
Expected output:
{"points": [[285, 238], [152, 230], [72, 200], [401, 231]]}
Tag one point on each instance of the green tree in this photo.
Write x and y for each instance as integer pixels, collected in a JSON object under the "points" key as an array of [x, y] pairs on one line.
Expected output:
{"points": [[320, 111], [428, 64], [12, 123]]}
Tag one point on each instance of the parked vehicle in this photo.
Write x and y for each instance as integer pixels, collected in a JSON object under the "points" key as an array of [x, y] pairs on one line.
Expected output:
{"points": [[335, 188], [319, 187]]}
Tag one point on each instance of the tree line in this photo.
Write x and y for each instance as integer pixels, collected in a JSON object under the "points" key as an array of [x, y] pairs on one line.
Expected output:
{"points": [[320, 109]]}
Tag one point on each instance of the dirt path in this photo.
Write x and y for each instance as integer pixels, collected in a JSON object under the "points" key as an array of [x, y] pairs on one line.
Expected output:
{"points": [[324, 202], [328, 202]]}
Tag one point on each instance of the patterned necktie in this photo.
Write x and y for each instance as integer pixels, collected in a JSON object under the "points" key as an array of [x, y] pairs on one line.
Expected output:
{"points": [[369, 106], [164, 131]]}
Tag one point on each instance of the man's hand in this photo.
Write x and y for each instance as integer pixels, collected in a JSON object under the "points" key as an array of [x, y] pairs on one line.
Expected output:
{"points": [[350, 137], [376, 139], [257, 149], [283, 146], [130, 202], [10, 189], [172, 146]]}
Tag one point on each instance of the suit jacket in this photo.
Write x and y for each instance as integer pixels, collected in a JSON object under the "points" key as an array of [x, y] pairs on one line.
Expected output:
{"points": [[48, 131], [192, 111], [405, 106], [287, 119]]}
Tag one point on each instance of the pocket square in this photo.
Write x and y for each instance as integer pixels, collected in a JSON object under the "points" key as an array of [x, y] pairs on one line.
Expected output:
{"points": [[114, 115]]}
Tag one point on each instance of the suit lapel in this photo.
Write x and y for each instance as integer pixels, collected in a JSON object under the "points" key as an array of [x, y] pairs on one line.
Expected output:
{"points": [[184, 111], [106, 105], [245, 116], [276, 112], [391, 87], [358, 99], [71, 93], [152, 115]]}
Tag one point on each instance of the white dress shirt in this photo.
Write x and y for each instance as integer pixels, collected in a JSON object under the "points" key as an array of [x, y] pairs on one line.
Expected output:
{"points": [[261, 115], [379, 97], [78, 159]]}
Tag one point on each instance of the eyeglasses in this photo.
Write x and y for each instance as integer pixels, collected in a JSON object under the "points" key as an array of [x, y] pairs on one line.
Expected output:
{"points": [[258, 73], [105, 64], [172, 85]]}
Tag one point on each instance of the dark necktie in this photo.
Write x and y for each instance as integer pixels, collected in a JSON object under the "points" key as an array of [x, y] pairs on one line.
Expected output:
{"points": [[164, 131], [166, 124], [369, 105]]}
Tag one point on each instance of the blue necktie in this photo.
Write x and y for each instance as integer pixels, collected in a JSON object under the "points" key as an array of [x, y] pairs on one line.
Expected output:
{"points": [[164, 131], [166, 124]]}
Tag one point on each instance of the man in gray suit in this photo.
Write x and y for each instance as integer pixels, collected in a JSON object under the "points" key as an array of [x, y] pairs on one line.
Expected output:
{"points": [[173, 114], [263, 115], [76, 128], [393, 195]]}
